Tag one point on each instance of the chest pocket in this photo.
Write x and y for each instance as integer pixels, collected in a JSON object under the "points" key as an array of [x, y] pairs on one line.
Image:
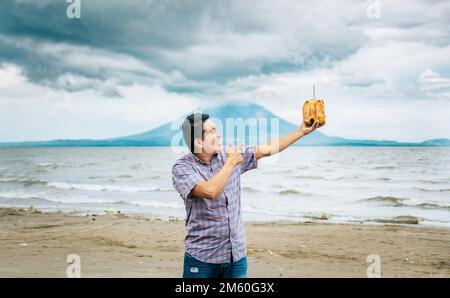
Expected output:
{"points": [[221, 201]]}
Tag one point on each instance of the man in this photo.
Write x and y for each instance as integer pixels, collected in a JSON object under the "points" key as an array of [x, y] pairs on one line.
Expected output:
{"points": [[208, 180]]}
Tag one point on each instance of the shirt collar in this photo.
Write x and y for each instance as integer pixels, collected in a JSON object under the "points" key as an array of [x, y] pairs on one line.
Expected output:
{"points": [[198, 160]]}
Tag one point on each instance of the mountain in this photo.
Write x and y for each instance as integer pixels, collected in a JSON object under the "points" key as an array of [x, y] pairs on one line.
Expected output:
{"points": [[256, 118]]}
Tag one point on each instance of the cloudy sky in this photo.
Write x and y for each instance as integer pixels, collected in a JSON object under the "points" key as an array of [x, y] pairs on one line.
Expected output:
{"points": [[125, 67]]}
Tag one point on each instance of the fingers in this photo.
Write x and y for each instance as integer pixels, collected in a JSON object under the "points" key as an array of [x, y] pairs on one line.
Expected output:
{"points": [[315, 124], [235, 149], [230, 149]]}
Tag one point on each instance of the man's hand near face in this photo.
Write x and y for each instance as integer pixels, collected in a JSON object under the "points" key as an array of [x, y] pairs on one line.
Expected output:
{"points": [[234, 155], [212, 188]]}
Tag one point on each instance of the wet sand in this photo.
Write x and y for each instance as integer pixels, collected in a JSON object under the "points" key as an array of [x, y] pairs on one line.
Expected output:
{"points": [[35, 244]]}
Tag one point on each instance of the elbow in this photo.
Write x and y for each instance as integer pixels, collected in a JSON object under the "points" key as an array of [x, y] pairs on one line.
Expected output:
{"points": [[264, 151], [211, 193], [205, 190]]}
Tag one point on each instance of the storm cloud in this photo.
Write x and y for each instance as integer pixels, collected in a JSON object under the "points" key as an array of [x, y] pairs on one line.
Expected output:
{"points": [[135, 56]]}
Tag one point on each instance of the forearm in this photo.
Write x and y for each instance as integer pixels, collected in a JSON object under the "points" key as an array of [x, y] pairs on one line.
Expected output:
{"points": [[220, 179], [212, 188], [279, 145]]}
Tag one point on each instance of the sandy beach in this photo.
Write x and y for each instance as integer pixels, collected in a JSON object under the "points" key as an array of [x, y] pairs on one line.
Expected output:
{"points": [[36, 244]]}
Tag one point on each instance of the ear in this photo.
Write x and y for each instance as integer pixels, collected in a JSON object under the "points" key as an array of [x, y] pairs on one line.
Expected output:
{"points": [[198, 145]]}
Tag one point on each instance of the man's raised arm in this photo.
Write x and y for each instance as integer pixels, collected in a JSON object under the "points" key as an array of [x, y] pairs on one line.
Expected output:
{"points": [[275, 146]]}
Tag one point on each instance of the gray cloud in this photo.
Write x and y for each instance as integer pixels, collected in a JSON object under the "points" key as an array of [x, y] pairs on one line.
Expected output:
{"points": [[128, 59], [209, 41]]}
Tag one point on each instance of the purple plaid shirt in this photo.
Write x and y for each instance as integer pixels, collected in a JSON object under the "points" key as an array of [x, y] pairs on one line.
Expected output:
{"points": [[215, 229]]}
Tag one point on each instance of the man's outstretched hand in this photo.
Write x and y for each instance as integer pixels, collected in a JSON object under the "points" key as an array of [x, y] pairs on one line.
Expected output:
{"points": [[308, 129]]}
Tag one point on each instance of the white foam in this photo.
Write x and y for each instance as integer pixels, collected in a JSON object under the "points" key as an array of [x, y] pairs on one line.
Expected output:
{"points": [[106, 187]]}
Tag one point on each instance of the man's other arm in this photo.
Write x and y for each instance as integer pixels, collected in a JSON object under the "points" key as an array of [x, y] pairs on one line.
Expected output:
{"points": [[212, 188]]}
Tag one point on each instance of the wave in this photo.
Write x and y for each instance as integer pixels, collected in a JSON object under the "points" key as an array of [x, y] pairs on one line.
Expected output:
{"points": [[106, 187], [401, 202], [25, 181], [345, 177], [89, 164], [31, 182], [320, 216], [384, 179], [19, 195], [291, 191], [249, 189], [17, 198], [173, 205], [383, 168], [311, 177], [433, 181], [147, 203], [433, 190], [257, 210], [30, 200], [53, 165], [432, 206], [308, 177], [121, 203], [290, 215], [113, 179], [387, 199], [136, 166], [289, 171], [124, 176]]}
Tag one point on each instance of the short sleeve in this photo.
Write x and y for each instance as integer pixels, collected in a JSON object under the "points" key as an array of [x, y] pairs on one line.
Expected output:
{"points": [[184, 179], [250, 160]]}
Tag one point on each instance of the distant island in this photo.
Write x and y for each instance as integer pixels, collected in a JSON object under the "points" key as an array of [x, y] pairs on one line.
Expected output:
{"points": [[169, 134]]}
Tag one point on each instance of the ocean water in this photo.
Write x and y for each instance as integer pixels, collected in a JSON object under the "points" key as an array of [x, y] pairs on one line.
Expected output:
{"points": [[350, 184]]}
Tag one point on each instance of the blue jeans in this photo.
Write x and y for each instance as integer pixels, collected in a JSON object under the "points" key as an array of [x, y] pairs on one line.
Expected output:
{"points": [[194, 268]]}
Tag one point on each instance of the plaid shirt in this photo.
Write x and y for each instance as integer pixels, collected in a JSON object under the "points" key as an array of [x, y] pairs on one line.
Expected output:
{"points": [[215, 229]]}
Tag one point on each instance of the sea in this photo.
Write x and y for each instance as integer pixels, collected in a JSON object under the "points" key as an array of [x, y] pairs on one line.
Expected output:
{"points": [[365, 185]]}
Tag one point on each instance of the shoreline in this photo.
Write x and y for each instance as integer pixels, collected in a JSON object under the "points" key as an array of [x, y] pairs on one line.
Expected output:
{"points": [[36, 244], [325, 218]]}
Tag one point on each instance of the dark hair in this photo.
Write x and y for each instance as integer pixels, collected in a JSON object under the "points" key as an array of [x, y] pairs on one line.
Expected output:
{"points": [[193, 128]]}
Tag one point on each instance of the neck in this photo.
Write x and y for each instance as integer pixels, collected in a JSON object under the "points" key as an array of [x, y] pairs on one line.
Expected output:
{"points": [[205, 157]]}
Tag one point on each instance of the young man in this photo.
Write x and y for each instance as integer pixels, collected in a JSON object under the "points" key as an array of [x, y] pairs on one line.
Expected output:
{"points": [[208, 180]]}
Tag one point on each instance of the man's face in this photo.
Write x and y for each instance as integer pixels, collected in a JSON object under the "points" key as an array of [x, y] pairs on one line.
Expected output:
{"points": [[212, 141]]}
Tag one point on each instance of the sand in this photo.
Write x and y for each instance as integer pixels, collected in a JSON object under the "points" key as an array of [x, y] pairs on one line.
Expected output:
{"points": [[35, 244]]}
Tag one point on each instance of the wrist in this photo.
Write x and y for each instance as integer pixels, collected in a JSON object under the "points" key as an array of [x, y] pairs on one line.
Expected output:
{"points": [[301, 133]]}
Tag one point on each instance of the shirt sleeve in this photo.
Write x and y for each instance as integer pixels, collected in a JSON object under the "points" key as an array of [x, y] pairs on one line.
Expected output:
{"points": [[250, 160], [184, 179]]}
